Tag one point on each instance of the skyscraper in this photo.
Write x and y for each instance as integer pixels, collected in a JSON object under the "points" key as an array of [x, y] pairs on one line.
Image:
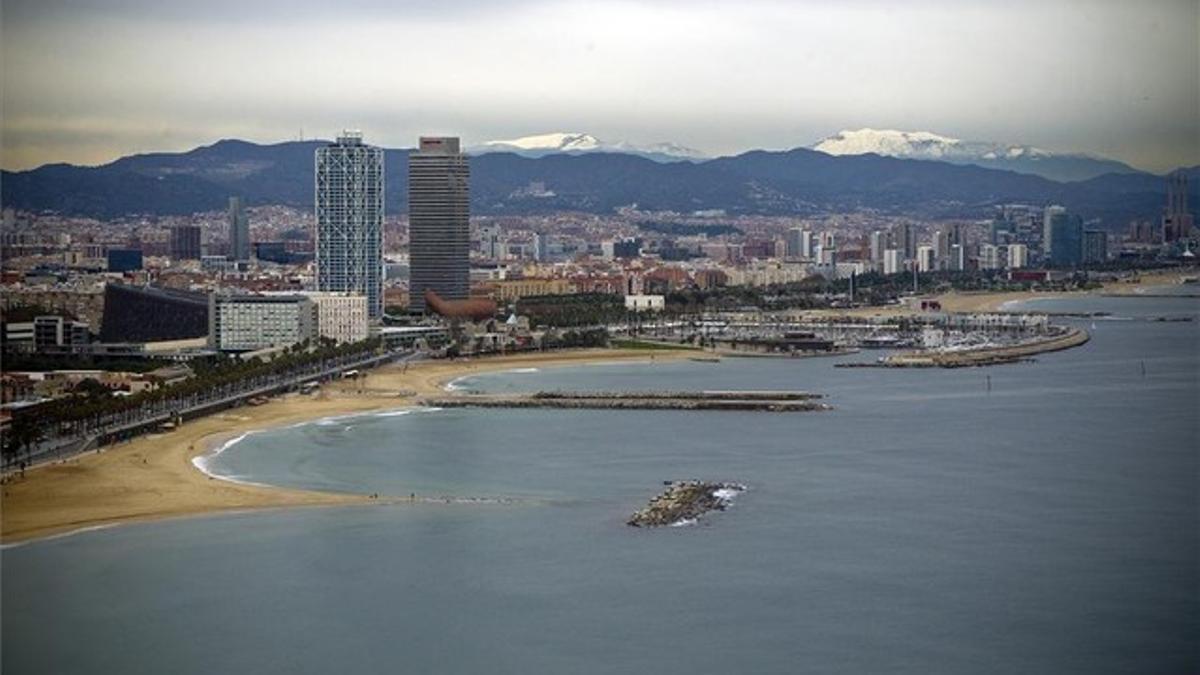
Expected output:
{"points": [[1177, 221], [1048, 216], [349, 202], [1095, 246], [1018, 256], [239, 231], [904, 240], [438, 222], [879, 243], [185, 242], [794, 242], [925, 258], [1064, 239]]}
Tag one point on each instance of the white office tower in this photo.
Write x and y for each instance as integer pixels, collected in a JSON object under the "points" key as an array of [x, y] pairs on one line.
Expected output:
{"points": [[925, 259], [879, 240], [239, 231], [806, 244], [1018, 256], [891, 261], [941, 246], [350, 219], [438, 222], [989, 257]]}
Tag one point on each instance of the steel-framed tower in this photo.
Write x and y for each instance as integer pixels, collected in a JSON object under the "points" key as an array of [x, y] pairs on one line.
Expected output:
{"points": [[349, 214]]}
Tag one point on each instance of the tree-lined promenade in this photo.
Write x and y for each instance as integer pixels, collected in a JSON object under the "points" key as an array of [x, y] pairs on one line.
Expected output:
{"points": [[72, 424]]}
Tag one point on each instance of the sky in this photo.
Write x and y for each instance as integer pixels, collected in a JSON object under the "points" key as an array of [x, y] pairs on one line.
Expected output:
{"points": [[87, 81]]}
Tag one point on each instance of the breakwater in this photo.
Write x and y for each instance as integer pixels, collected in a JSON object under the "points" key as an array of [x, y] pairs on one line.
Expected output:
{"points": [[685, 501], [762, 401], [986, 356]]}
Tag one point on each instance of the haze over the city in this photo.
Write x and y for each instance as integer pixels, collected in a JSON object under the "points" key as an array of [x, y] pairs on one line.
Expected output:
{"points": [[87, 82]]}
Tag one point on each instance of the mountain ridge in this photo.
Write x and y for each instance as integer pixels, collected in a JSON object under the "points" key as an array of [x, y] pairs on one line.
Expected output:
{"points": [[797, 182]]}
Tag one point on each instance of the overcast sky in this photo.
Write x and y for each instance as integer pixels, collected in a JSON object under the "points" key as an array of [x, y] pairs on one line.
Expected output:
{"points": [[89, 81]]}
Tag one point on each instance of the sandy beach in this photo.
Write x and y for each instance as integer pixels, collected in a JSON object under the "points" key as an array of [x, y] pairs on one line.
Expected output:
{"points": [[154, 476]]}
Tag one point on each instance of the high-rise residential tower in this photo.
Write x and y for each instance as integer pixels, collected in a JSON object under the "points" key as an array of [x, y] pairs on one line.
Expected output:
{"points": [[438, 222], [349, 203], [239, 230]]}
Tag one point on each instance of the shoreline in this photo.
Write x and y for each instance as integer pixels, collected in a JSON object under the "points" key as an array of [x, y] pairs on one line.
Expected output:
{"points": [[156, 476]]}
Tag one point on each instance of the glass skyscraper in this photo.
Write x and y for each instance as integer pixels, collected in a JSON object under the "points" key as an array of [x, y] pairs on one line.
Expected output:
{"points": [[349, 210], [438, 222], [239, 231]]}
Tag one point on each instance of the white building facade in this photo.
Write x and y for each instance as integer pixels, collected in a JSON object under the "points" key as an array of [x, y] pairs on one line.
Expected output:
{"points": [[341, 317], [239, 323]]}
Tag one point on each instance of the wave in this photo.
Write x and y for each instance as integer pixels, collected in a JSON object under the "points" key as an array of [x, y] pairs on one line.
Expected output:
{"points": [[203, 462], [394, 413], [726, 495], [60, 535]]}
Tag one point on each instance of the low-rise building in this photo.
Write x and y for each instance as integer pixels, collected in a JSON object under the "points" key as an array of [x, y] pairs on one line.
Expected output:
{"points": [[239, 323], [341, 317], [645, 303], [515, 289]]}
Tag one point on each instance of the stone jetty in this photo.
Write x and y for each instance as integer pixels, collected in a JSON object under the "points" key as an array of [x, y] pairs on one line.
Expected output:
{"points": [[685, 501], [763, 401], [984, 356]]}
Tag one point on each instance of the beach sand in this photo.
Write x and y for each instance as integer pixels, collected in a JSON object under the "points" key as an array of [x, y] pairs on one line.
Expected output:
{"points": [[154, 477]]}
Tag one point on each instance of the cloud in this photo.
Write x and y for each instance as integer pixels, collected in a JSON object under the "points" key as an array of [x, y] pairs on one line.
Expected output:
{"points": [[88, 81]]}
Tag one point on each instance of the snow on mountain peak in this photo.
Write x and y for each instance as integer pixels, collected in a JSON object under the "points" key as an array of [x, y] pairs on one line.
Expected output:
{"points": [[572, 142], [931, 146], [889, 142], [559, 140]]}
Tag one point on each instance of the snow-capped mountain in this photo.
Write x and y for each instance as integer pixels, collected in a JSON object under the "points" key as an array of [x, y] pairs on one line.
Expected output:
{"points": [[1012, 157], [573, 143]]}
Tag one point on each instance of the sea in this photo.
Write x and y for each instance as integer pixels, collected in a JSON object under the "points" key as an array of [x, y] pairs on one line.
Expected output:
{"points": [[1037, 517]]}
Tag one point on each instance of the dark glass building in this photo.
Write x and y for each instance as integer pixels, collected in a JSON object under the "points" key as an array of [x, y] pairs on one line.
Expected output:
{"points": [[124, 259], [438, 222], [149, 314]]}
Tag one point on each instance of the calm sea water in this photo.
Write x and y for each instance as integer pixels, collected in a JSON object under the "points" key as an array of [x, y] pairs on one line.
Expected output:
{"points": [[926, 524]]}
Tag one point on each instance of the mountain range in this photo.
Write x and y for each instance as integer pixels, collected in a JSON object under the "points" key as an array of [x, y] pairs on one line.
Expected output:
{"points": [[799, 182], [988, 154]]}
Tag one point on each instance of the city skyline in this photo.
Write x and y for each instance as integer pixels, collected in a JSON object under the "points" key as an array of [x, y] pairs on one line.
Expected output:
{"points": [[1098, 78]]}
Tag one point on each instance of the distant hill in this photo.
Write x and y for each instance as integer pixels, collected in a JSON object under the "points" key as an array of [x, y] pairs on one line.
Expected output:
{"points": [[795, 182], [988, 154]]}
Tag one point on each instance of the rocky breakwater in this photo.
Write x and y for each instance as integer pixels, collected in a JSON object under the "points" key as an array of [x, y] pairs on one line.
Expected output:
{"points": [[766, 401], [685, 501]]}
